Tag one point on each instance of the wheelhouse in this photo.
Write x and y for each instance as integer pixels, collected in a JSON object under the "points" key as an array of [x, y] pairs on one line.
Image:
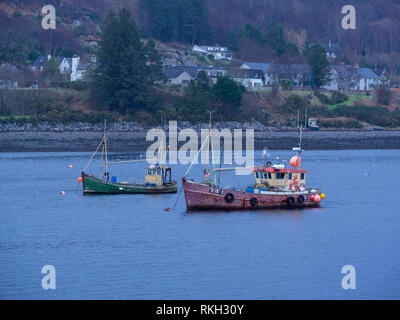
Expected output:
{"points": [[278, 177], [158, 175]]}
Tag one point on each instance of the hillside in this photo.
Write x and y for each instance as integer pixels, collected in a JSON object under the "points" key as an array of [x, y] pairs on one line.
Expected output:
{"points": [[373, 43], [255, 30]]}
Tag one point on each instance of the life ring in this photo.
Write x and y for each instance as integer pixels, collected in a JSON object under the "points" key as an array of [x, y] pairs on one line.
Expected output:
{"points": [[291, 201], [293, 187], [301, 187], [301, 199], [229, 197], [253, 202]]}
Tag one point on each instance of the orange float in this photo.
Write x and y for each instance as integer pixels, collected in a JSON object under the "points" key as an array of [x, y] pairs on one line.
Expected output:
{"points": [[295, 161]]}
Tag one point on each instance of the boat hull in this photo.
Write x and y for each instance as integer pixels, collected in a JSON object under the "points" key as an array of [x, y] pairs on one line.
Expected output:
{"points": [[92, 185], [203, 197]]}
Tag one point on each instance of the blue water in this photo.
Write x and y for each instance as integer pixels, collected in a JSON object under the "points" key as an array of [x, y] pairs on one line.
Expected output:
{"points": [[128, 247]]}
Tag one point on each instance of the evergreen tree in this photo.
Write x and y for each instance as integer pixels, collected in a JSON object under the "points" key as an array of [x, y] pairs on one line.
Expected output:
{"points": [[229, 92], [316, 58], [176, 20], [153, 61], [275, 37], [121, 80], [51, 70]]}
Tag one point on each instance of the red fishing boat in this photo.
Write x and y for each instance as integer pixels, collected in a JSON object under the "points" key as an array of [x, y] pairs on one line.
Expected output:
{"points": [[276, 186]]}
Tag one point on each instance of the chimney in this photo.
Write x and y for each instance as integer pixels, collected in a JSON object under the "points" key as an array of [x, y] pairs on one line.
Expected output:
{"points": [[48, 57], [75, 63]]}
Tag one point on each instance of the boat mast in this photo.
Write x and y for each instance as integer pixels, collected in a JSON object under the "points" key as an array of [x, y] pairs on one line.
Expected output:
{"points": [[105, 144], [212, 148]]}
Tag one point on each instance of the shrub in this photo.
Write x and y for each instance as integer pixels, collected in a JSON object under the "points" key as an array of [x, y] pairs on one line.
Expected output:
{"points": [[338, 97], [383, 95]]}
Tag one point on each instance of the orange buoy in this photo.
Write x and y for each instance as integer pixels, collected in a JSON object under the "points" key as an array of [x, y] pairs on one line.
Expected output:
{"points": [[312, 197], [70, 166], [317, 199], [80, 179], [295, 161]]}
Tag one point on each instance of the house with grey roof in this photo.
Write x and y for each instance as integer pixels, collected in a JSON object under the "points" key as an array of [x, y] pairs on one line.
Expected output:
{"points": [[184, 74], [352, 78], [64, 64], [298, 74], [181, 74], [219, 53], [333, 50], [80, 69], [251, 79]]}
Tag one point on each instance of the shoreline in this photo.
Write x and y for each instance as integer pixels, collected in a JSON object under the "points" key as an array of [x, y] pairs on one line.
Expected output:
{"points": [[87, 141]]}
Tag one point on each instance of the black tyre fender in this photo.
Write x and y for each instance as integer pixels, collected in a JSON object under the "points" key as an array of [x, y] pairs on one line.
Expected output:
{"points": [[291, 201], [254, 202], [301, 199], [229, 197]]}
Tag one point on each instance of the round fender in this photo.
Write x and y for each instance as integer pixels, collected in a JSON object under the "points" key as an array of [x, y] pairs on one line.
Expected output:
{"points": [[229, 197], [253, 202], [301, 199]]}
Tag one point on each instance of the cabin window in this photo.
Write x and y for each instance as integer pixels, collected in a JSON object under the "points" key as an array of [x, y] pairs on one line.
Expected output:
{"points": [[149, 172], [290, 176], [302, 176], [267, 175], [159, 172], [279, 176], [257, 175]]}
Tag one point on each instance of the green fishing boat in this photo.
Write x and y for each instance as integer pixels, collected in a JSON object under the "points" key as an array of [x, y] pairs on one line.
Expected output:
{"points": [[93, 185], [157, 179]]}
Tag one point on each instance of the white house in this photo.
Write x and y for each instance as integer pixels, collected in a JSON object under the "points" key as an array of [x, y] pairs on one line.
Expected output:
{"points": [[219, 53], [251, 79], [181, 74], [298, 74], [352, 78], [64, 64], [265, 68]]}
